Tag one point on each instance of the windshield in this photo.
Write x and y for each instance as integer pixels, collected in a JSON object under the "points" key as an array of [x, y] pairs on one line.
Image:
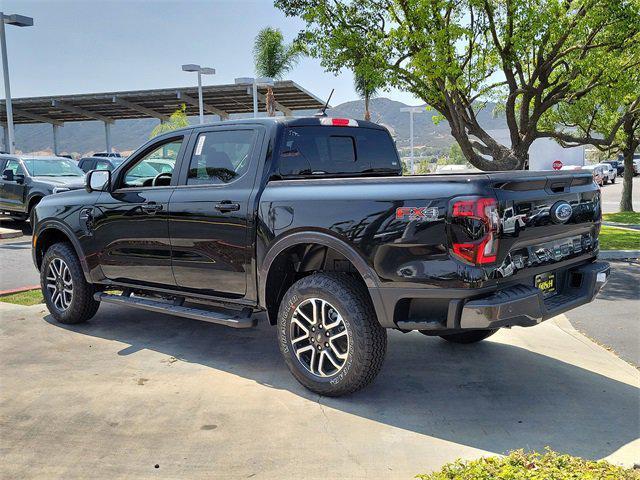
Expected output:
{"points": [[40, 167]]}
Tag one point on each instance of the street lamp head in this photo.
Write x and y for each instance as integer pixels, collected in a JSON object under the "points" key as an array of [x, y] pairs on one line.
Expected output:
{"points": [[414, 109], [207, 71], [17, 20], [244, 80], [190, 67]]}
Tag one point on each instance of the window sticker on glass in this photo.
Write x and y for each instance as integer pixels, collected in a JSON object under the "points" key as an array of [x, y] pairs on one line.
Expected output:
{"points": [[200, 144]]}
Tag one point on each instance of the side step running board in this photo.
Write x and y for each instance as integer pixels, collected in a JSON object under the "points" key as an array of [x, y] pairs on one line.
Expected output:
{"points": [[229, 318]]}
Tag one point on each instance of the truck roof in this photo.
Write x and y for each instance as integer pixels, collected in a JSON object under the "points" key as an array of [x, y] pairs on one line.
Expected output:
{"points": [[307, 121]]}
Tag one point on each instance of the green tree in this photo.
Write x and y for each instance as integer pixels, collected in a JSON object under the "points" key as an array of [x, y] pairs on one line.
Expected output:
{"points": [[274, 58], [608, 118], [178, 119], [366, 86], [529, 55], [456, 156]]}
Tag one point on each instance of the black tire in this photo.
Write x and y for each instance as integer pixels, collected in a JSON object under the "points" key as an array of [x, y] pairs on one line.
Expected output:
{"points": [[472, 336], [613, 180], [82, 305], [366, 340]]}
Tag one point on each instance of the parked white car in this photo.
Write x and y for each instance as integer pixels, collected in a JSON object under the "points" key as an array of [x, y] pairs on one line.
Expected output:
{"points": [[610, 173]]}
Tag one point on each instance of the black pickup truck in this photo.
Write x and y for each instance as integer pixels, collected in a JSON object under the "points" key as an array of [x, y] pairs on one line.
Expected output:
{"points": [[309, 223]]}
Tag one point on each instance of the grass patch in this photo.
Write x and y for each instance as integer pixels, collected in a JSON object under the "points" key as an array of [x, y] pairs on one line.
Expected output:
{"points": [[622, 217], [520, 465], [613, 238], [28, 298]]}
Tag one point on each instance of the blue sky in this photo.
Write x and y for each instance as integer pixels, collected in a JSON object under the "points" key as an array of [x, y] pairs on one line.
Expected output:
{"points": [[96, 45]]}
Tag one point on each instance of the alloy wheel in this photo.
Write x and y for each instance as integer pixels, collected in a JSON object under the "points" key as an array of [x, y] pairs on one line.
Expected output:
{"points": [[319, 337], [59, 284]]}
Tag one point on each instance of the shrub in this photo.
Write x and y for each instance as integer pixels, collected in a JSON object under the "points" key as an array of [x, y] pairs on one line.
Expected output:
{"points": [[521, 465]]}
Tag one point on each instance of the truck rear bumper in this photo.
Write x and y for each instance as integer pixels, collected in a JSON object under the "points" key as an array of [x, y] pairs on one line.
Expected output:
{"points": [[515, 305], [523, 305]]}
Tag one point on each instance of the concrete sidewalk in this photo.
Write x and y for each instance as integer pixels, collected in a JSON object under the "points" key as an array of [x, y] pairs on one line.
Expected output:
{"points": [[132, 389]]}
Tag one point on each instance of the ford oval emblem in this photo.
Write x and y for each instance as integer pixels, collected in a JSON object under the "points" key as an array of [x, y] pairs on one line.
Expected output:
{"points": [[561, 212]]}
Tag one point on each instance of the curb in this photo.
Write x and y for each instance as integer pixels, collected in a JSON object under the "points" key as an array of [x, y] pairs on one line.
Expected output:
{"points": [[9, 233], [618, 254], [626, 226], [19, 290]]}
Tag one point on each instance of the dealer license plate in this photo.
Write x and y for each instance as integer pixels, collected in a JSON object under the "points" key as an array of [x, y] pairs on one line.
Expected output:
{"points": [[546, 282]]}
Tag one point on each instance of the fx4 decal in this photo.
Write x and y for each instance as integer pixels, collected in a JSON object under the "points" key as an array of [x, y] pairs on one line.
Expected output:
{"points": [[420, 214]]}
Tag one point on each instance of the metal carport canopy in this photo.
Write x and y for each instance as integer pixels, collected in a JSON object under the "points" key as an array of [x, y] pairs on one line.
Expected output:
{"points": [[220, 100]]}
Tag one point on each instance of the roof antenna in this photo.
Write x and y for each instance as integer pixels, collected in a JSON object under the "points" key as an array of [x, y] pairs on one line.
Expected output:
{"points": [[321, 112]]}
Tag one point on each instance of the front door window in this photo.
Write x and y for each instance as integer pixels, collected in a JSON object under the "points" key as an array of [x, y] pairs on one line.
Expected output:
{"points": [[155, 168]]}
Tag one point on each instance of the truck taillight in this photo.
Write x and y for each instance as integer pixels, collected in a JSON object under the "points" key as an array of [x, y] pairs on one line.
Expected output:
{"points": [[475, 238]]}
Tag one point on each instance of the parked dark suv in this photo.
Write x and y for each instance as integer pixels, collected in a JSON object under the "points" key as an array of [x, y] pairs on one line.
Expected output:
{"points": [[310, 223], [27, 179]]}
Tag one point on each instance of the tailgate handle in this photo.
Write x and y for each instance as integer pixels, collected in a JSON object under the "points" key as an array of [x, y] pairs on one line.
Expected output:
{"points": [[558, 187]]}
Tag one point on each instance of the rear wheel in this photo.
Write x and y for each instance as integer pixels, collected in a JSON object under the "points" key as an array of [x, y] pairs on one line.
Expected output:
{"points": [[69, 297], [471, 336], [329, 335]]}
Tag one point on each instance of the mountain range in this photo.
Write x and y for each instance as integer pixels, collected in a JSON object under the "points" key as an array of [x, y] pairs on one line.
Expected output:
{"points": [[82, 138]]}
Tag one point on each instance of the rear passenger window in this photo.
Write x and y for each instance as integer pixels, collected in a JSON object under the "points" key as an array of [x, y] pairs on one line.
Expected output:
{"points": [[220, 157], [336, 150]]}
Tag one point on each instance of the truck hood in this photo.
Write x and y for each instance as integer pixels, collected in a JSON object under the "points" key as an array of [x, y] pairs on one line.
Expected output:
{"points": [[71, 183]]}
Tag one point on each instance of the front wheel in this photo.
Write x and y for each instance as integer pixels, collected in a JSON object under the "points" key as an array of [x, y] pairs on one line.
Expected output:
{"points": [[329, 335], [613, 180], [69, 297], [472, 336]]}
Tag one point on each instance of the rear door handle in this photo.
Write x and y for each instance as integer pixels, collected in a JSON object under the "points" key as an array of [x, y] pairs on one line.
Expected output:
{"points": [[151, 207], [227, 206]]}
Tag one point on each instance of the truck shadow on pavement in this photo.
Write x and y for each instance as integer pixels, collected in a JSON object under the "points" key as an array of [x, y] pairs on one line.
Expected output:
{"points": [[492, 396]]}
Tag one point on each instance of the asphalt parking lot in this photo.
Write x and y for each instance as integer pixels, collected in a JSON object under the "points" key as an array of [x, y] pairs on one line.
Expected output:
{"points": [[613, 318], [130, 390], [611, 194]]}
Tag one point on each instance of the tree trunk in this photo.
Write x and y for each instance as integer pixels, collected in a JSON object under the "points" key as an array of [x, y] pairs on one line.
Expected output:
{"points": [[271, 103], [494, 158], [627, 186], [367, 113], [630, 145]]}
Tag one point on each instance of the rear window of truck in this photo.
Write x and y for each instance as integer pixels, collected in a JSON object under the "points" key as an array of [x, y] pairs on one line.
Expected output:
{"points": [[323, 150]]}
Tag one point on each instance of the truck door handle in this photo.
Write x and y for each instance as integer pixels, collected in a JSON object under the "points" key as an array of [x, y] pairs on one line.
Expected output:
{"points": [[151, 207], [227, 206]]}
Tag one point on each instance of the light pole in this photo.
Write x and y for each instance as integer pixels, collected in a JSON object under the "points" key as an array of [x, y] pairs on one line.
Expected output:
{"points": [[190, 67], [412, 111], [255, 82], [18, 21]]}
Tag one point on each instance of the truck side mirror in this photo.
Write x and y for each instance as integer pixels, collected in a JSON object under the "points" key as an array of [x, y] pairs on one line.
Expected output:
{"points": [[7, 175], [19, 178], [98, 181]]}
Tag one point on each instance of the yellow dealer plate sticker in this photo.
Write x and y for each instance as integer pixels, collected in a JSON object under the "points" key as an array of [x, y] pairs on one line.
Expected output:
{"points": [[546, 282]]}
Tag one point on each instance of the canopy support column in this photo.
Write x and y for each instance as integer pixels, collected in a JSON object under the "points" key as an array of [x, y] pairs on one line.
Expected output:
{"points": [[56, 143], [107, 135]]}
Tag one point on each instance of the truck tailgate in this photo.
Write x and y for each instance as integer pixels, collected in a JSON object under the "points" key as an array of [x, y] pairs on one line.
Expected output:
{"points": [[544, 218]]}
